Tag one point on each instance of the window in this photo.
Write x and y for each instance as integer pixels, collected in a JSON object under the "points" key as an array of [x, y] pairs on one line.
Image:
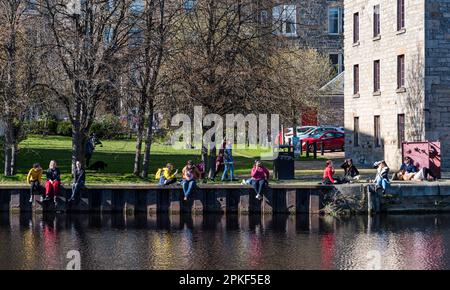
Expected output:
{"points": [[376, 76], [400, 71], [376, 131], [337, 61], [356, 131], [285, 19], [356, 27], [335, 20], [400, 14], [355, 79], [376, 21], [400, 129]]}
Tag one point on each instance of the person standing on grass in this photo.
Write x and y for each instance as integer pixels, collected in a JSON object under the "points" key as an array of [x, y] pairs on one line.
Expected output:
{"points": [[190, 175], [53, 181], [219, 160], [89, 150], [34, 179], [260, 178], [228, 162], [78, 183]]}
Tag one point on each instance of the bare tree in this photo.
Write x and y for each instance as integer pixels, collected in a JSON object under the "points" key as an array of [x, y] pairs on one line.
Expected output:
{"points": [[149, 47], [85, 51], [17, 73]]}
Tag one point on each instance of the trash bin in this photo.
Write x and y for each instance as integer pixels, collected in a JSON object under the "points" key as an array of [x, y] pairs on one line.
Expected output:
{"points": [[284, 163]]}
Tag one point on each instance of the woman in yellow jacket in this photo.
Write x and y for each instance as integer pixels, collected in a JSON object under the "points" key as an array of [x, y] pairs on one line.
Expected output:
{"points": [[165, 175], [34, 179]]}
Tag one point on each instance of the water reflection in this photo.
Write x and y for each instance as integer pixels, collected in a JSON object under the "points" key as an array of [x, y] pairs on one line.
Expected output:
{"points": [[224, 241]]}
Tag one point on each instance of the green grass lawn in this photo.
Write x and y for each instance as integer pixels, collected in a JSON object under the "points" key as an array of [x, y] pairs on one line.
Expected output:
{"points": [[118, 154]]}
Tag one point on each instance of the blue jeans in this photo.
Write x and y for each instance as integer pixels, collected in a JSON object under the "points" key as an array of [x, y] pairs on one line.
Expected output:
{"points": [[383, 182], [163, 181], [188, 185], [258, 185], [229, 166], [76, 191]]}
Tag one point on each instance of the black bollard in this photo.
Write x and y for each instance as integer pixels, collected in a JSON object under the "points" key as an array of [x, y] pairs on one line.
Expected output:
{"points": [[307, 149], [322, 148], [315, 150]]}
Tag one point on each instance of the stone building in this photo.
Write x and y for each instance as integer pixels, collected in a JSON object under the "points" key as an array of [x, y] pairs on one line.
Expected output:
{"points": [[316, 24], [397, 77]]}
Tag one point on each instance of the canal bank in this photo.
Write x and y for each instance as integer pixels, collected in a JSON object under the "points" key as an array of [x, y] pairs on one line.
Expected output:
{"points": [[288, 198]]}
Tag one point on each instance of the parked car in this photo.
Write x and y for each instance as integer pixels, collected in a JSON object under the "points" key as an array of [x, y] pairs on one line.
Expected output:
{"points": [[300, 131], [317, 130], [337, 128], [331, 140]]}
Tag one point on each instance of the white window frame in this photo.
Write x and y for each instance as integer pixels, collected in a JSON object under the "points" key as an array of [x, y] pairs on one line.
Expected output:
{"points": [[277, 18], [340, 20]]}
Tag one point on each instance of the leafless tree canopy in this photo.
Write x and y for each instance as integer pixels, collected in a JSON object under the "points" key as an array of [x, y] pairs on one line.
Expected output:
{"points": [[152, 55]]}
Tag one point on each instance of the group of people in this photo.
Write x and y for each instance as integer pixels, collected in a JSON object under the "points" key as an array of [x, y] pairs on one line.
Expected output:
{"points": [[408, 171], [52, 184], [191, 174]]}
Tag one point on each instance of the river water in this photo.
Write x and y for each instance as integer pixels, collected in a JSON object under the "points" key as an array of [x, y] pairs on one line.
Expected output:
{"points": [[225, 242]]}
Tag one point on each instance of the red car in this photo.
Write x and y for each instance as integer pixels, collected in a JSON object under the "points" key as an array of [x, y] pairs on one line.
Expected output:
{"points": [[331, 140]]}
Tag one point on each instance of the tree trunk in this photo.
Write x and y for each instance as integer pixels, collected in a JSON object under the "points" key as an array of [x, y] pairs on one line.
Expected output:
{"points": [[9, 148], [139, 137], [212, 163], [79, 139], [148, 141], [212, 158]]}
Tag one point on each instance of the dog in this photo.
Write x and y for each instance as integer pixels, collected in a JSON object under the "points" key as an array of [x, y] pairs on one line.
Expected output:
{"points": [[98, 165]]}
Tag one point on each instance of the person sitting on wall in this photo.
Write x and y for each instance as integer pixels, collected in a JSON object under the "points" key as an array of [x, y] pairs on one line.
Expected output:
{"points": [[382, 177], [34, 179], [259, 178], [423, 174], [328, 174], [190, 176], [165, 175], [79, 181], [408, 165], [53, 181], [351, 173]]}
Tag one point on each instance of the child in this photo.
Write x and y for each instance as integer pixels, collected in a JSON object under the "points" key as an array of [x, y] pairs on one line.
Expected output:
{"points": [[34, 179]]}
